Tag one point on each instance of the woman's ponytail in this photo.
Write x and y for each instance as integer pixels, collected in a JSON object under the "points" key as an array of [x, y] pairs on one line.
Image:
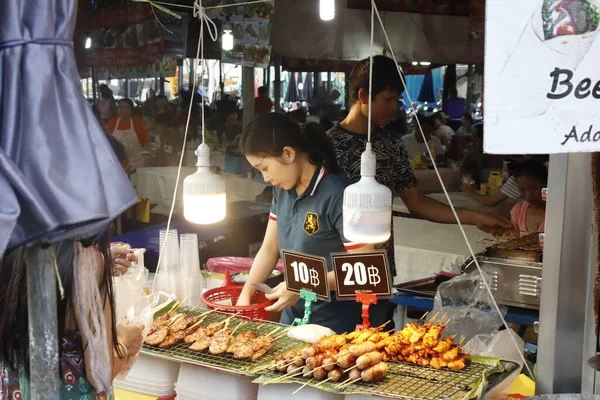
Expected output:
{"points": [[318, 147]]}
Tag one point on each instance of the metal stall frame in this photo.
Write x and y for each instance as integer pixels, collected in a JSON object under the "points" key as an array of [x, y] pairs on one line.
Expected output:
{"points": [[567, 336]]}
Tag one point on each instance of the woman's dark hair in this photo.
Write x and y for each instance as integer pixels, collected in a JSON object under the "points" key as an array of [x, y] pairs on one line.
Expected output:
{"points": [[128, 101], [532, 169], [385, 76], [14, 334], [468, 117], [105, 92], [268, 134]]}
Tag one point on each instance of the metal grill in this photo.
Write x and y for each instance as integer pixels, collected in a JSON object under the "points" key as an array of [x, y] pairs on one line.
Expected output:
{"points": [[226, 362], [408, 381]]}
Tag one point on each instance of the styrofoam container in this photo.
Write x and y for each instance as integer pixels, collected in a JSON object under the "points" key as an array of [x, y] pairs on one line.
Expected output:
{"points": [[154, 370], [166, 391], [198, 383], [281, 391]]}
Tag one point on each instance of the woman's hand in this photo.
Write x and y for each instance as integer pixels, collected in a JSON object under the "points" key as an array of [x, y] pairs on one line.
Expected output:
{"points": [[121, 260], [284, 297], [130, 336], [495, 224]]}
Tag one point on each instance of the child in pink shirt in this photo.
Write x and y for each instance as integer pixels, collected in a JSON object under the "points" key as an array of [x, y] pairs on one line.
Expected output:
{"points": [[528, 216]]}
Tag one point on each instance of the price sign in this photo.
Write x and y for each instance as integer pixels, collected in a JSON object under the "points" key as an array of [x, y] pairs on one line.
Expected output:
{"points": [[304, 272], [362, 273]]}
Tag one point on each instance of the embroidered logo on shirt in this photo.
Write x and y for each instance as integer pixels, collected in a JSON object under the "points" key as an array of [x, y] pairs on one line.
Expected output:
{"points": [[311, 223]]}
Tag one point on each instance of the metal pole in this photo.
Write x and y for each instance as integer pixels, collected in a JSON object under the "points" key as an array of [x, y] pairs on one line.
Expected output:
{"points": [[469, 89], [43, 333], [248, 94], [277, 85], [567, 263], [161, 88], [221, 82], [94, 84]]}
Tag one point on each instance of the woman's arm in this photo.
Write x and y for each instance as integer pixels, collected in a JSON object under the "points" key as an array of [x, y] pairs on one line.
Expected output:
{"points": [[263, 264]]}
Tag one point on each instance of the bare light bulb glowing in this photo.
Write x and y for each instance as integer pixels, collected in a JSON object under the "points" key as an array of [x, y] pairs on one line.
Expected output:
{"points": [[88, 43], [300, 86], [227, 40], [327, 9], [204, 193]]}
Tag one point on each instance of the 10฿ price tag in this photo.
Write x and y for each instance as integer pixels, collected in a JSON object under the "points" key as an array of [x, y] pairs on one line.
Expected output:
{"points": [[362, 273], [304, 272]]}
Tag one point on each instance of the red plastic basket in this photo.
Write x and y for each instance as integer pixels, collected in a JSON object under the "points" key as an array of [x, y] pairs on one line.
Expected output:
{"points": [[213, 299]]}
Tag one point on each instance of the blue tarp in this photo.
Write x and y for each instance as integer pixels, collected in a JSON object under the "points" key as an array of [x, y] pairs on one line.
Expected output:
{"points": [[414, 84], [59, 178]]}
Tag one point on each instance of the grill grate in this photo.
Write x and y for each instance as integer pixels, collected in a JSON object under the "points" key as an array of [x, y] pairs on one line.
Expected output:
{"points": [[405, 380], [226, 362]]}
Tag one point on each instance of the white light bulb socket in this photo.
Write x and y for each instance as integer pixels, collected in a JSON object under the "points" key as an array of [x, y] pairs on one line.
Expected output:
{"points": [[368, 162]]}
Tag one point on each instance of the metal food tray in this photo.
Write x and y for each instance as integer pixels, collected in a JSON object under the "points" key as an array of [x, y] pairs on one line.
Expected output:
{"points": [[409, 381], [226, 362]]}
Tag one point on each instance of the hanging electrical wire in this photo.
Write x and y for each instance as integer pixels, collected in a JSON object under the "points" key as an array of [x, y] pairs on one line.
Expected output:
{"points": [[450, 203]]}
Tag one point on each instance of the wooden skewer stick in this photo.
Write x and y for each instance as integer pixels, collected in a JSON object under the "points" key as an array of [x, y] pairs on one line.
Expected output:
{"points": [[240, 324], [461, 340], [443, 317], [174, 306], [351, 368], [384, 324], [176, 319], [322, 382], [349, 383], [434, 317], [343, 383], [288, 375], [274, 330], [423, 317], [303, 386]]}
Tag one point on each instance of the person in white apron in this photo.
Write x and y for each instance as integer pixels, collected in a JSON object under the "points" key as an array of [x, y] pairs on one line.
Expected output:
{"points": [[129, 138]]}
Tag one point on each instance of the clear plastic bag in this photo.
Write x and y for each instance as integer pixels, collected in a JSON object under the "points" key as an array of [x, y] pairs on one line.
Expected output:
{"points": [[464, 302], [500, 345], [132, 302]]}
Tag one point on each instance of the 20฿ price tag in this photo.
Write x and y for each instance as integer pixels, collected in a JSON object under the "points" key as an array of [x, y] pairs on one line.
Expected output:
{"points": [[304, 272], [362, 273]]}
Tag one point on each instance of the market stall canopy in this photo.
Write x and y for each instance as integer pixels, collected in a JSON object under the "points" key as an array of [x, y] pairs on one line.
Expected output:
{"points": [[298, 32], [59, 177]]}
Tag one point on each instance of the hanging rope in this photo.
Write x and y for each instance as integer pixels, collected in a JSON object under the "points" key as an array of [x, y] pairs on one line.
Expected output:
{"points": [[200, 13]]}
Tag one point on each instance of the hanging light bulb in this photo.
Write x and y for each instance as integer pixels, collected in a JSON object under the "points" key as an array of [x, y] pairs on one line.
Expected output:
{"points": [[227, 40], [327, 9], [367, 205], [204, 195], [88, 42]]}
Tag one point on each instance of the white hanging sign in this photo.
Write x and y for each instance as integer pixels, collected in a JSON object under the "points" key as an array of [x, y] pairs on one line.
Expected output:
{"points": [[542, 80]]}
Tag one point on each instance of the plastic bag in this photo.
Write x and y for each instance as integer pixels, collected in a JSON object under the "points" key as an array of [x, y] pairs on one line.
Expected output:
{"points": [[464, 302], [499, 345], [132, 302]]}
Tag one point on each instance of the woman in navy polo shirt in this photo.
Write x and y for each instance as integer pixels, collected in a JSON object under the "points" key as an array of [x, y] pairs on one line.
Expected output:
{"points": [[306, 214]]}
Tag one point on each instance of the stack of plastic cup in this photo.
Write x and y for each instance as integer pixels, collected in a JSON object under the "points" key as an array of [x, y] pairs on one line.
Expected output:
{"points": [[189, 266], [168, 269]]}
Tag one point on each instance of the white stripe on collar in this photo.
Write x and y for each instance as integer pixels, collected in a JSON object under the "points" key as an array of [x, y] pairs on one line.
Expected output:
{"points": [[322, 173]]}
